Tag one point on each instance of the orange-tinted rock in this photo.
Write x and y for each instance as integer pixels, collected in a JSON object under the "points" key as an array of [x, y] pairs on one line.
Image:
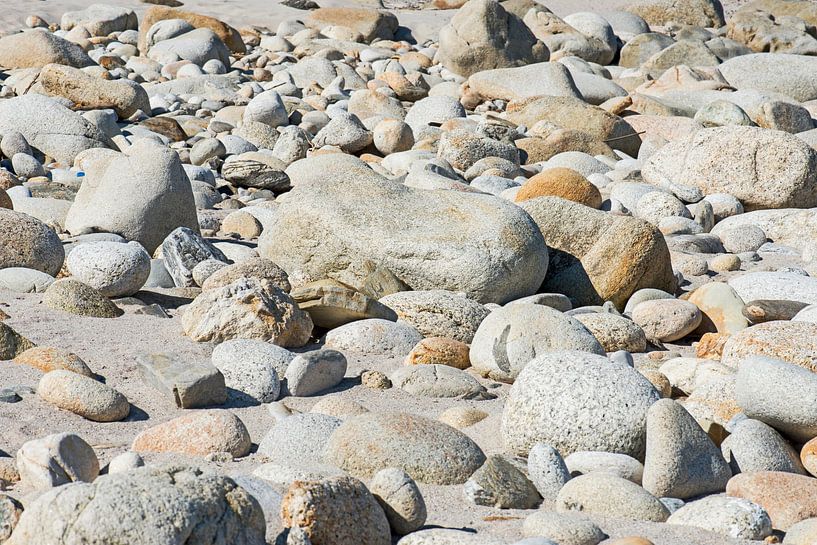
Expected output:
{"points": [[561, 182], [198, 433], [225, 32], [711, 346], [439, 351], [787, 498], [633, 540], [809, 456], [47, 358]]}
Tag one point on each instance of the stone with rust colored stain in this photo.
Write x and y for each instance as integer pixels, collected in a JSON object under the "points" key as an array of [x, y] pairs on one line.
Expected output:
{"points": [[440, 351], [48, 358], [787, 498], [711, 345], [198, 433]]}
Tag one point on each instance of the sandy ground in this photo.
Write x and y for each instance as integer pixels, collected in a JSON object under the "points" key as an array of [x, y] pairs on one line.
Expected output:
{"points": [[269, 13], [110, 348]]}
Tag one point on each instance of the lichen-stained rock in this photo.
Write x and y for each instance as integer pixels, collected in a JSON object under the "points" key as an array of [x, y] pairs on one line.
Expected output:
{"points": [[164, 505], [598, 257], [335, 511], [247, 309], [477, 244]]}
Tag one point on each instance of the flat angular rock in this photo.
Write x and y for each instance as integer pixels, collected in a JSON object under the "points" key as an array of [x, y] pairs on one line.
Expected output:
{"points": [[191, 384], [182, 250], [438, 381], [331, 304]]}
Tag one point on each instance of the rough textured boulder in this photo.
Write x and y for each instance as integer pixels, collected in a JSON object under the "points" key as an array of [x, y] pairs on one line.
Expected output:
{"points": [[597, 257], [336, 511], [247, 309], [50, 127], [761, 167], [37, 48], [28, 242], [145, 506], [429, 451], [705, 13], [575, 401], [573, 113], [225, 32], [477, 244], [804, 9], [482, 36], [142, 196]]}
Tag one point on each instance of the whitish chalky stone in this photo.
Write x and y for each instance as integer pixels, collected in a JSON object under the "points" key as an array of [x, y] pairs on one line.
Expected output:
{"points": [[55, 460], [576, 401], [310, 373], [681, 461], [510, 337], [733, 517], [113, 268], [547, 470], [585, 462]]}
